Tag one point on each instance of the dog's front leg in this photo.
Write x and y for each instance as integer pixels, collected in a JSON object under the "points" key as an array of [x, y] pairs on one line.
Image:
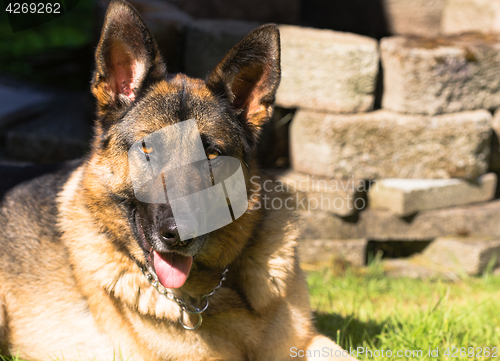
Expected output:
{"points": [[322, 348]]}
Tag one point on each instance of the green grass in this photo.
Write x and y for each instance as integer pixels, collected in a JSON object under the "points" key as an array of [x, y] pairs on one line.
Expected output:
{"points": [[368, 310], [3, 358]]}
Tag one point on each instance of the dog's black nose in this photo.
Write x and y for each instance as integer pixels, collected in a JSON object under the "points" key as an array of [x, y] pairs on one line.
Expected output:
{"points": [[169, 233]]}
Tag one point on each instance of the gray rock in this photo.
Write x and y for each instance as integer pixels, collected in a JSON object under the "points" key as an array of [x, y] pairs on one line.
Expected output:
{"points": [[18, 103], [419, 17], [324, 250], [321, 69], [441, 75], [13, 173], [416, 267], [406, 196], [167, 24], [461, 16], [207, 41], [325, 69], [308, 192], [61, 134], [472, 220], [384, 144], [469, 255]]}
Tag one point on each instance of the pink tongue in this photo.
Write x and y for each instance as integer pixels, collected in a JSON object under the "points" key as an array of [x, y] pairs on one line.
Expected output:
{"points": [[172, 269]]}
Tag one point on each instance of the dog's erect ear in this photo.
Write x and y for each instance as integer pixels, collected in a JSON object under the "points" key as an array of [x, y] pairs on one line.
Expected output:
{"points": [[249, 76], [126, 57]]}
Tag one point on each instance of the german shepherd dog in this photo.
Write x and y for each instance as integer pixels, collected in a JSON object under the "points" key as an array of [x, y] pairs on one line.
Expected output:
{"points": [[87, 271]]}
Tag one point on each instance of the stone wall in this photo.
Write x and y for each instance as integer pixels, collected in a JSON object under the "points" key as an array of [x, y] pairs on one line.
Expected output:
{"points": [[421, 164]]}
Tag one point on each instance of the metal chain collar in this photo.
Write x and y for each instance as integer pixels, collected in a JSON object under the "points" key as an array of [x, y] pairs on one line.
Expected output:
{"points": [[153, 280]]}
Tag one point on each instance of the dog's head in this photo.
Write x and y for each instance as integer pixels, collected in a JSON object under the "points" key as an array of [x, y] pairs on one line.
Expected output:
{"points": [[136, 99]]}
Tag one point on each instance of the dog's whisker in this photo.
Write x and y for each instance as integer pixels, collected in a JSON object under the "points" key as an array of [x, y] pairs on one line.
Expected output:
{"points": [[121, 203]]}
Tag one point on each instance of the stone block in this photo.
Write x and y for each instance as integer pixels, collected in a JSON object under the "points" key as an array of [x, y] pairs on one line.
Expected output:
{"points": [[384, 144], [416, 267], [167, 23], [469, 255], [461, 16], [441, 75], [18, 103], [404, 197], [61, 134], [207, 41], [13, 173], [321, 69], [418, 17], [324, 250], [308, 192], [325, 69], [471, 220]]}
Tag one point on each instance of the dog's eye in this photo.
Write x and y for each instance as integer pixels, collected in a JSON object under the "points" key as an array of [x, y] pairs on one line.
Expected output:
{"points": [[147, 150], [212, 154]]}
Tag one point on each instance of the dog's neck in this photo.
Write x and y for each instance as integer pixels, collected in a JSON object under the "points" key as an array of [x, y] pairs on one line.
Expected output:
{"points": [[264, 278]]}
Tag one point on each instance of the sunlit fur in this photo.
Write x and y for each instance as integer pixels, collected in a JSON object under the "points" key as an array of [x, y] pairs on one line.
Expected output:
{"points": [[70, 287]]}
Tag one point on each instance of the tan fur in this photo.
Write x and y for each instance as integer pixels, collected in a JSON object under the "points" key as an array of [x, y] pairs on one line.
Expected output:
{"points": [[70, 287], [113, 311], [268, 273]]}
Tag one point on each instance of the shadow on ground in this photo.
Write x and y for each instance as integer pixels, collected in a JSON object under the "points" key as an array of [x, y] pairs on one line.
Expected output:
{"points": [[352, 331]]}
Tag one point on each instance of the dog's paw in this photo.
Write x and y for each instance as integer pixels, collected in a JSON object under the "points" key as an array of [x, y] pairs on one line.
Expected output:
{"points": [[322, 348]]}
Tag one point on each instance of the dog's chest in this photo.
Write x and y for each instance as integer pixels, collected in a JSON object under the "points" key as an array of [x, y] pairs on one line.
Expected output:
{"points": [[234, 334]]}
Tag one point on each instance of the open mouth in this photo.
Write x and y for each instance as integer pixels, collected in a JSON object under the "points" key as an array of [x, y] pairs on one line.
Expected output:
{"points": [[171, 268]]}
